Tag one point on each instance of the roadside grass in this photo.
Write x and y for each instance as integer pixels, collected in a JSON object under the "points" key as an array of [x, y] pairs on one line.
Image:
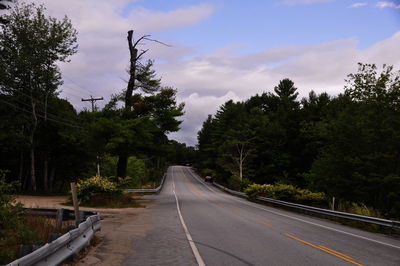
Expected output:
{"points": [[32, 230]]}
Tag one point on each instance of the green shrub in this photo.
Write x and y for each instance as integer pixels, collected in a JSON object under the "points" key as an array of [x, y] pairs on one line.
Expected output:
{"points": [[284, 192], [12, 229], [238, 184], [92, 187], [287, 193], [305, 196], [255, 190]]}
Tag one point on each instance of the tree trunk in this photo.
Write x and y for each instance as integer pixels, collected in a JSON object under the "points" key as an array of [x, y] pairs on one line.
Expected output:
{"points": [[33, 176], [122, 165], [132, 71], [51, 179], [46, 162], [32, 143], [45, 172], [21, 168]]}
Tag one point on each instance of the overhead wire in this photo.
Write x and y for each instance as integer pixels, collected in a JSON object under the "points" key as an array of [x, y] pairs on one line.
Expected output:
{"points": [[39, 115], [48, 113]]}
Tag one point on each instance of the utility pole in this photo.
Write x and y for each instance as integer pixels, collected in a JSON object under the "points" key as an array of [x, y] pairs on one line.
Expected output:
{"points": [[92, 100]]}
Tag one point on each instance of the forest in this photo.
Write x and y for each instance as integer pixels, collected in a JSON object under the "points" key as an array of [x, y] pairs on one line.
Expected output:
{"points": [[45, 143], [346, 146]]}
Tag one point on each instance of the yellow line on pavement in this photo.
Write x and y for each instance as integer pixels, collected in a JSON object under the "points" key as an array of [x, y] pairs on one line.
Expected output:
{"points": [[334, 253], [264, 223]]}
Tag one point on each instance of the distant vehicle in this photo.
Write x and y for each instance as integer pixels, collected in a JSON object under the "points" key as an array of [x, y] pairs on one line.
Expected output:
{"points": [[208, 179]]}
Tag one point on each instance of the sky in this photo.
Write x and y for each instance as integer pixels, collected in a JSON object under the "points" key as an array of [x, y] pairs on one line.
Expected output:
{"points": [[226, 49]]}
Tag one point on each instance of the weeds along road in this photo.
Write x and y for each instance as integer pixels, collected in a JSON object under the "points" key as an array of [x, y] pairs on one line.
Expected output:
{"points": [[199, 225]]}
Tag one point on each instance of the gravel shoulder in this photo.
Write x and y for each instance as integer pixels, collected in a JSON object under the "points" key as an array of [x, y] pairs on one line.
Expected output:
{"points": [[119, 228]]}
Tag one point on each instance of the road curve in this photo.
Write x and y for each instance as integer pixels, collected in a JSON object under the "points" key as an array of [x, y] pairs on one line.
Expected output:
{"points": [[200, 225]]}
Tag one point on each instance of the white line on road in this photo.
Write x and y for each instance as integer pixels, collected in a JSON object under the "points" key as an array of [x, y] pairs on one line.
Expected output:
{"points": [[196, 253], [299, 219]]}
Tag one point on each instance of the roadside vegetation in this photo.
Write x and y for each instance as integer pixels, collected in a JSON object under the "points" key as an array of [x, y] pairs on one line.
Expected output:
{"points": [[312, 149], [17, 228], [105, 192], [45, 143]]}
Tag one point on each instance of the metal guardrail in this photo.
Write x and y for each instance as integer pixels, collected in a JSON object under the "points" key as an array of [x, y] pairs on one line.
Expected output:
{"points": [[148, 190], [66, 213], [63, 247], [345, 215]]}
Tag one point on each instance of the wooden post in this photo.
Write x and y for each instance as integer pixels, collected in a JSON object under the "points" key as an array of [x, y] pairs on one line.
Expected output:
{"points": [[76, 205], [59, 220]]}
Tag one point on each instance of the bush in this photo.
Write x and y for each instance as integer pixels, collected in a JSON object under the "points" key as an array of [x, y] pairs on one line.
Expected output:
{"points": [[238, 184], [92, 187], [287, 193], [12, 229], [284, 192]]}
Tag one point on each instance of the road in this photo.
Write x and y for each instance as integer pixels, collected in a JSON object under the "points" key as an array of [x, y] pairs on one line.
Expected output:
{"points": [[197, 224]]}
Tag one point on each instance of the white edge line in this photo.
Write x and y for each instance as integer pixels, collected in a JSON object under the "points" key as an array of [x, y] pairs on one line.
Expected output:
{"points": [[304, 221], [196, 253]]}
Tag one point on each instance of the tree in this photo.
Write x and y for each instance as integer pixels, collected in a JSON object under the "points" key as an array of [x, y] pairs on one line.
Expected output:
{"points": [[31, 44], [359, 161], [4, 4]]}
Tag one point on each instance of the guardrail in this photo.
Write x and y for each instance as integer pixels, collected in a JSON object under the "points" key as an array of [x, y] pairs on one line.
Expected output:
{"points": [[344, 215], [148, 190], [57, 251]]}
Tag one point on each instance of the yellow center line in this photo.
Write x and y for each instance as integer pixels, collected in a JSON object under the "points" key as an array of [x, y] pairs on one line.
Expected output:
{"points": [[334, 253], [236, 211], [264, 223]]}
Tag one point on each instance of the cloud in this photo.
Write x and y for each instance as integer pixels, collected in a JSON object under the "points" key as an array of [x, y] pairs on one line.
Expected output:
{"points": [[197, 109], [205, 82], [303, 2], [356, 5], [99, 67], [386, 4]]}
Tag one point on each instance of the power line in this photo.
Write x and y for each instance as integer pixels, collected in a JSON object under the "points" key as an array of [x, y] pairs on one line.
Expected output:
{"points": [[92, 100], [39, 115], [41, 102], [85, 89]]}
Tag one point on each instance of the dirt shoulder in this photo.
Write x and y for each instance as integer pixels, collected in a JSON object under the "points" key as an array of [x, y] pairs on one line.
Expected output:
{"points": [[118, 228]]}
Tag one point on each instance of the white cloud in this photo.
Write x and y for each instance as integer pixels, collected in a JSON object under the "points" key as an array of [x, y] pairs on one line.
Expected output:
{"points": [[203, 82], [356, 5], [387, 4], [206, 82], [303, 2], [99, 67], [197, 109]]}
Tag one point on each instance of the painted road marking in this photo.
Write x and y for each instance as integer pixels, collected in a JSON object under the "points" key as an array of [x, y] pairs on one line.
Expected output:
{"points": [[196, 253], [333, 252], [337, 252], [298, 219], [264, 223]]}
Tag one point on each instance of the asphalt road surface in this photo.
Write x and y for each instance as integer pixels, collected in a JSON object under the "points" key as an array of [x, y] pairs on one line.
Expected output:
{"points": [[197, 224]]}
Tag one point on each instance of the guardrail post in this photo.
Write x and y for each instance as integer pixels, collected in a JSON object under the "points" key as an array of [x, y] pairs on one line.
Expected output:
{"points": [[59, 220], [76, 205]]}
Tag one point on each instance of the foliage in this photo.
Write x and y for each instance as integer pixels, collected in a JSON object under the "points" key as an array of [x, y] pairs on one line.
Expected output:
{"points": [[236, 183], [288, 193], [255, 190], [12, 229], [89, 189], [344, 146]]}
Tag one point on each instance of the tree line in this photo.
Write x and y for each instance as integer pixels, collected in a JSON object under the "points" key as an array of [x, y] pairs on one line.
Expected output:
{"points": [[44, 141], [347, 146]]}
